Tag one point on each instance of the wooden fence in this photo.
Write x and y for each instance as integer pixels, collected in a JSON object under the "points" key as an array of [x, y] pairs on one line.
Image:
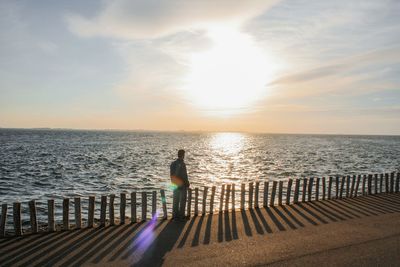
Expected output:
{"points": [[273, 192]]}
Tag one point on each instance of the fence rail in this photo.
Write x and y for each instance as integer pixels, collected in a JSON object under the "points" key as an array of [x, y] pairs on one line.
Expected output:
{"points": [[279, 192]]}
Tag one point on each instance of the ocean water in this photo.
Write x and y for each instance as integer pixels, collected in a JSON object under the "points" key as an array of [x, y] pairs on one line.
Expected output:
{"points": [[43, 164]]}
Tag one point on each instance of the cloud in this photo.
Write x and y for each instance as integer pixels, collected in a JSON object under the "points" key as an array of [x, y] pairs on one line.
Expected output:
{"points": [[127, 19]]}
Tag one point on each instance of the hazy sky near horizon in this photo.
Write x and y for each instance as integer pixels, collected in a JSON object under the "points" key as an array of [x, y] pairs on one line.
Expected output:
{"points": [[295, 66]]}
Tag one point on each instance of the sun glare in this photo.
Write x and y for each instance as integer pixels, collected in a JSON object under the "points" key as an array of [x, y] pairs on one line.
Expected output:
{"points": [[231, 76]]}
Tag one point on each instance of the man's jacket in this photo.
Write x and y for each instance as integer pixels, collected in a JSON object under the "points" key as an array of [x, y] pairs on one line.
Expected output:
{"points": [[178, 173]]}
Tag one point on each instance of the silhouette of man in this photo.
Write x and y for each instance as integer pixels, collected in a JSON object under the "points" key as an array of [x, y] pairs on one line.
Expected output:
{"points": [[180, 181]]}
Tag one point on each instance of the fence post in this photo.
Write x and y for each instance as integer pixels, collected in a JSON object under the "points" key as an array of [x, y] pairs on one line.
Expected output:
{"points": [[91, 211], [189, 207], [296, 191], [376, 183], [17, 218], [196, 201], [221, 198], [164, 204], [212, 199], [348, 186], [33, 217], [256, 193], [387, 182], [103, 211], [381, 183], [265, 199], [342, 186], [357, 185], [364, 179], [122, 208], [228, 192], [205, 191], [273, 193], [233, 196], [353, 181], [66, 213], [3, 220], [50, 215], [392, 182], [242, 196], [289, 191], [323, 188], [317, 182], [397, 182], [154, 204], [133, 208], [330, 187], [310, 186], [78, 212], [111, 210], [144, 206], [280, 192], [337, 186], [304, 192], [251, 195]]}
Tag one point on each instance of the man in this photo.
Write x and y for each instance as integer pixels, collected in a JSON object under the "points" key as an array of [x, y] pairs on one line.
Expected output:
{"points": [[180, 181]]}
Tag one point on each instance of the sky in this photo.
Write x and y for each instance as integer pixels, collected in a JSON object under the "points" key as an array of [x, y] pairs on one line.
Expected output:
{"points": [[294, 66]]}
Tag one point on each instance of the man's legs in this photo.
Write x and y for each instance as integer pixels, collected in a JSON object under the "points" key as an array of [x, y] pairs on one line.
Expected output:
{"points": [[182, 205], [175, 203]]}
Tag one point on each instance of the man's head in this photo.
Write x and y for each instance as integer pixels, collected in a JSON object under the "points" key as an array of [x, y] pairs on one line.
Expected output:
{"points": [[181, 153]]}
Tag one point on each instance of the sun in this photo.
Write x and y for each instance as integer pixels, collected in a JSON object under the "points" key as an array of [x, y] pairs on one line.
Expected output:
{"points": [[231, 76]]}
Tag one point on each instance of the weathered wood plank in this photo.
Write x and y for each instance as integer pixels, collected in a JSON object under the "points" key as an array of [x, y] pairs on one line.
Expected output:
{"points": [[111, 209], [381, 183], [91, 211], [304, 192], [228, 193], [364, 179], [256, 194], [280, 193], [196, 201], [133, 207], [353, 183], [78, 212], [17, 218], [330, 187], [212, 199], [273, 193], [310, 188], [369, 184], [337, 186], [33, 216], [164, 204], [376, 183], [204, 209], [348, 186], [323, 188], [317, 182], [189, 206], [51, 226], [153, 204], [242, 196], [3, 219], [233, 197], [103, 211], [289, 191], [392, 182], [386, 182], [357, 185], [398, 182], [66, 214], [296, 191], [144, 206], [221, 198], [251, 188], [266, 189], [122, 208], [342, 181]]}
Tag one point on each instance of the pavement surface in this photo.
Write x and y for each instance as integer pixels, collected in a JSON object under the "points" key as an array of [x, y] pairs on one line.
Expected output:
{"points": [[362, 231]]}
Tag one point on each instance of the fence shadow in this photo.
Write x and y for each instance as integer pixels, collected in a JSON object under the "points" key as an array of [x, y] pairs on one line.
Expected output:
{"points": [[147, 243]]}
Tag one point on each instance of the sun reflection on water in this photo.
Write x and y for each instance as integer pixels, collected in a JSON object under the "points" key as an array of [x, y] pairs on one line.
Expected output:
{"points": [[227, 143]]}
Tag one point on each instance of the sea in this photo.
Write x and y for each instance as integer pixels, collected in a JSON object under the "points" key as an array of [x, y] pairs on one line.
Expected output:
{"points": [[42, 164]]}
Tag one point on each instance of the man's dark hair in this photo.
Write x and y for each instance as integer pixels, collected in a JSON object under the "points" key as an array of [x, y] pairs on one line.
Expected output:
{"points": [[181, 153]]}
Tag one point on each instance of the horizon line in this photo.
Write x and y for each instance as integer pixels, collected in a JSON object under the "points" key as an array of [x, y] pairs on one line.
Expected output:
{"points": [[188, 131]]}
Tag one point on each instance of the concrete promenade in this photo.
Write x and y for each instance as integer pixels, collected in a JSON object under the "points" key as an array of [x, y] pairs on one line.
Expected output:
{"points": [[362, 231]]}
